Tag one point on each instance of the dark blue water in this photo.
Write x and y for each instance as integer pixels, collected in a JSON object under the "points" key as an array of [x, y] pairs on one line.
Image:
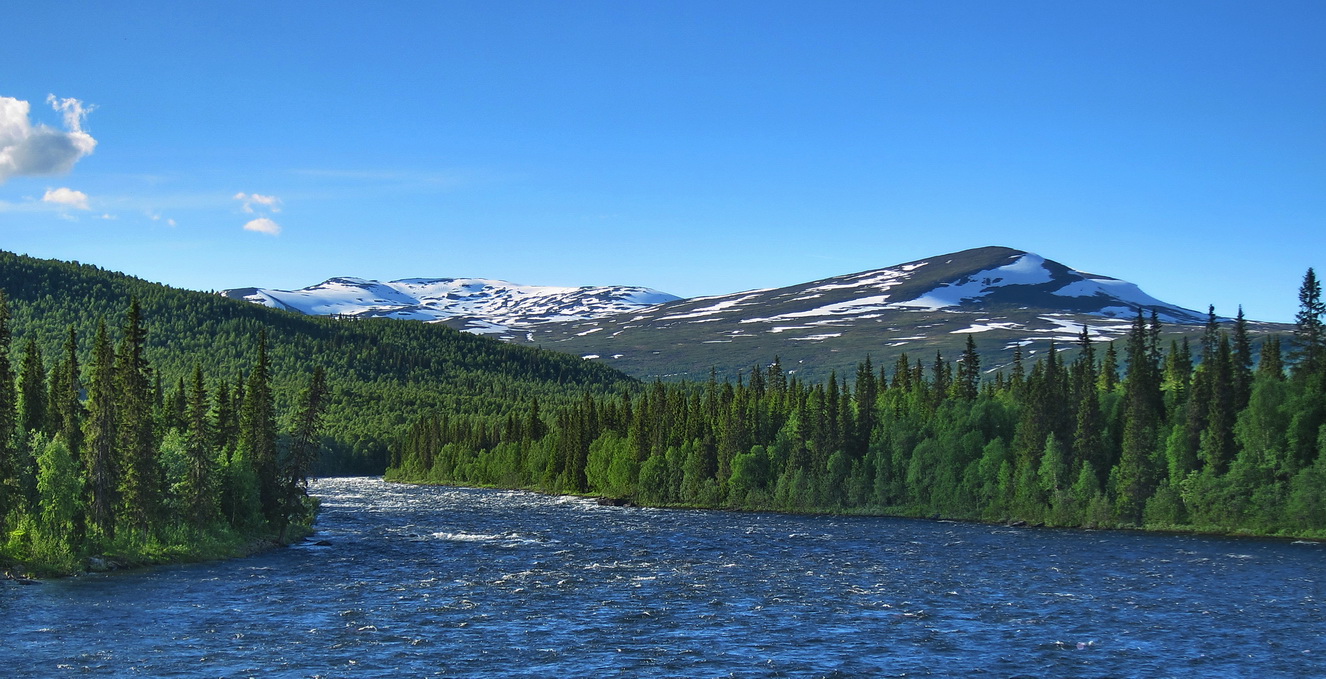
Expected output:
{"points": [[423, 581]]}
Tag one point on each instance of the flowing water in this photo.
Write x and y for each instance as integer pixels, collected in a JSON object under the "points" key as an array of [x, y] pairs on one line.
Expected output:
{"points": [[429, 581]]}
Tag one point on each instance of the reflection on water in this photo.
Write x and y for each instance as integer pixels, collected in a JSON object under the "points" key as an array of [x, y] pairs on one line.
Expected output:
{"points": [[426, 581]]}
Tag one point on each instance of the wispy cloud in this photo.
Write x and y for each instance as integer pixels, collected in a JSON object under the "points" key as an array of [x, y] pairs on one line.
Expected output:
{"points": [[257, 203], [264, 225], [27, 149], [156, 217], [271, 203], [66, 197]]}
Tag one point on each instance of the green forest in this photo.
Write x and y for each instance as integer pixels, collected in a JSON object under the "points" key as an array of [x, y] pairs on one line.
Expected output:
{"points": [[1222, 436], [135, 474], [382, 374], [141, 423]]}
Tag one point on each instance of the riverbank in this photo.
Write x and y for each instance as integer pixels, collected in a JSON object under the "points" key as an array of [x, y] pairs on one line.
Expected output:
{"points": [[911, 513], [26, 557]]}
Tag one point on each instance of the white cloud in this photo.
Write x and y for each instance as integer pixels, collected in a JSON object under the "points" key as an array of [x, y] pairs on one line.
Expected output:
{"points": [[156, 217], [26, 149], [66, 197], [264, 225], [272, 203]]}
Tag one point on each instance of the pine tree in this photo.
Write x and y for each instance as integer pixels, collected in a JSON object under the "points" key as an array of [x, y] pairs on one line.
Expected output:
{"points": [[66, 411], [1017, 376], [1138, 471], [867, 391], [1109, 369], [100, 455], [257, 432], [1308, 332], [1217, 439], [305, 440], [1242, 365], [11, 495], [141, 476], [1271, 362], [969, 371], [32, 396], [198, 493]]}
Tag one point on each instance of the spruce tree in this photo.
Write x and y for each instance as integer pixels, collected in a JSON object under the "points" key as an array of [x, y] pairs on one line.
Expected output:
{"points": [[257, 432], [867, 391], [199, 492], [1217, 439], [1109, 370], [1271, 363], [1242, 362], [101, 492], [32, 396], [969, 371], [141, 476], [1138, 471], [1308, 332], [305, 440], [11, 494], [66, 410]]}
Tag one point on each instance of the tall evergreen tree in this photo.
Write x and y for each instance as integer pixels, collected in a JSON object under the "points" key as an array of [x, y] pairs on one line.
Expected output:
{"points": [[1271, 362], [257, 431], [32, 396], [1309, 334], [141, 476], [10, 463], [1242, 362], [867, 391], [1217, 439], [305, 440], [969, 371], [101, 492], [1139, 471], [199, 492], [66, 409], [1109, 369]]}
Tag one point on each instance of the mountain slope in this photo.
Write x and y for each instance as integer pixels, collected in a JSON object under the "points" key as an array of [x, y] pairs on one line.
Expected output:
{"points": [[477, 305], [1006, 297], [383, 373]]}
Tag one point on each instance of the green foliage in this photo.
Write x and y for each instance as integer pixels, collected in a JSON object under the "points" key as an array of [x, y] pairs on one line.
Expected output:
{"points": [[381, 374], [144, 487], [1167, 446]]}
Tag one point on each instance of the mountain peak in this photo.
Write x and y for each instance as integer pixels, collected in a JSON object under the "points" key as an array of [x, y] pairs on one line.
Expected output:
{"points": [[479, 305], [1006, 296]]}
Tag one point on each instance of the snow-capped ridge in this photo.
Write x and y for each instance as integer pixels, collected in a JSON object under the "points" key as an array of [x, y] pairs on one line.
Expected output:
{"points": [[480, 305]]}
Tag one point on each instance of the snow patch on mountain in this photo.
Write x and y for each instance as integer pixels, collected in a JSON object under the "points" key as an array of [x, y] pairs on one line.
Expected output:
{"points": [[1029, 269], [485, 305]]}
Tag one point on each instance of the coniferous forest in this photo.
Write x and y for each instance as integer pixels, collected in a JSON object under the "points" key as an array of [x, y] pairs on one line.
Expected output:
{"points": [[1221, 436], [130, 473], [144, 423]]}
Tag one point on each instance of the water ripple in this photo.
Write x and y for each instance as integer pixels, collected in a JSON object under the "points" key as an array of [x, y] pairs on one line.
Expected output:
{"points": [[454, 582]]}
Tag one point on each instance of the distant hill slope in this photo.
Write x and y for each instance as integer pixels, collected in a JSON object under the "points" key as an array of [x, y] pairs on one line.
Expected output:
{"points": [[477, 305], [383, 374], [1005, 297]]}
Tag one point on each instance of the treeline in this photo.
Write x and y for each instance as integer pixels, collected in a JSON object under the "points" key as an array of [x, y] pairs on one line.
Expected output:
{"points": [[101, 459], [382, 374], [1185, 437]]}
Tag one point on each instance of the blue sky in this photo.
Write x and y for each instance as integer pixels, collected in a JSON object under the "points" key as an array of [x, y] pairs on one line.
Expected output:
{"points": [[695, 147]]}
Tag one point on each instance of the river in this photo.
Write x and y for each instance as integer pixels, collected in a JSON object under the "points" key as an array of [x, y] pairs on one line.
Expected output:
{"points": [[431, 581]]}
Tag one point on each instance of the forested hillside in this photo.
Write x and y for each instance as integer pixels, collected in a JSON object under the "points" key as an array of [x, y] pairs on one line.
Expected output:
{"points": [[1125, 433], [382, 374], [125, 476]]}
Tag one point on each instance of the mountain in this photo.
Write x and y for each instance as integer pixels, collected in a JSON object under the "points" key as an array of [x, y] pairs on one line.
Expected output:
{"points": [[1004, 297], [382, 373], [476, 305]]}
